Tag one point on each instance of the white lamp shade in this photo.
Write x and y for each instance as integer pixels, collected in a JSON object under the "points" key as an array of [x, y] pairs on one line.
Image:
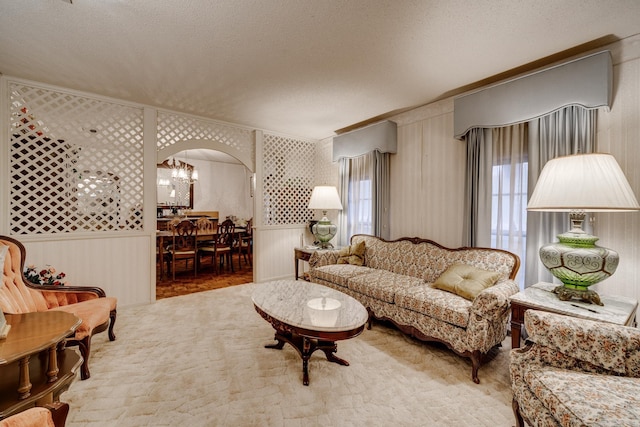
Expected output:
{"points": [[587, 182], [325, 197]]}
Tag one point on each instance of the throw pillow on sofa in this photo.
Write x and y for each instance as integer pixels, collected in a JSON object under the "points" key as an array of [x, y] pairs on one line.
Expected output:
{"points": [[353, 255], [465, 280]]}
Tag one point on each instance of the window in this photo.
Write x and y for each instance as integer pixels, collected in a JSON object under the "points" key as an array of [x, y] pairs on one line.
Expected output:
{"points": [[509, 210], [360, 212]]}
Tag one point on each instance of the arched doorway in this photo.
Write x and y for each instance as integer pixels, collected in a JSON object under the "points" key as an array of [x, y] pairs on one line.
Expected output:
{"points": [[224, 186]]}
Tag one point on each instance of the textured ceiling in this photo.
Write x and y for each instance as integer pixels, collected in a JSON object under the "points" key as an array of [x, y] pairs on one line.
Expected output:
{"points": [[306, 68]]}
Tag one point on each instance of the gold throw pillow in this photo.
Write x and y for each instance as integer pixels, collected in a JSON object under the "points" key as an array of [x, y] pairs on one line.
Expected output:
{"points": [[465, 280], [353, 254]]}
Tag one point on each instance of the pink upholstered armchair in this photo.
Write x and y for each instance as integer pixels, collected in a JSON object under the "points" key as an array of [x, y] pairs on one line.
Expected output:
{"points": [[18, 295], [50, 415]]}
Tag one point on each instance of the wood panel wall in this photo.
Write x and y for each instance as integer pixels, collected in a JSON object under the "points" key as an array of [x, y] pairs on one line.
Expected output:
{"points": [[427, 176], [122, 266]]}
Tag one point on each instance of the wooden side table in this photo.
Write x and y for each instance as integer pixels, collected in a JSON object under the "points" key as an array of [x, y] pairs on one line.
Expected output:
{"points": [[27, 381], [302, 254], [616, 309]]}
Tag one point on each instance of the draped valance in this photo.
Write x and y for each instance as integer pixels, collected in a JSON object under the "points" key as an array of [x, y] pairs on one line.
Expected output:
{"points": [[587, 82], [382, 136]]}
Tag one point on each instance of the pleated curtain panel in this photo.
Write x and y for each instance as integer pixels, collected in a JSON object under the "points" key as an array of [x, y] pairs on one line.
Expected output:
{"points": [[364, 180]]}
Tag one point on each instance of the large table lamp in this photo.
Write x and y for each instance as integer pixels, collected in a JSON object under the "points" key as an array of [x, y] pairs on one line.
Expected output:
{"points": [[578, 184], [324, 198]]}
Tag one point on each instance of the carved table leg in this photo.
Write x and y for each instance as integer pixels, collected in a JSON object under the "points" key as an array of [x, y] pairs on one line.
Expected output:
{"points": [[329, 348], [278, 345], [24, 383], [306, 354], [52, 371], [306, 347]]}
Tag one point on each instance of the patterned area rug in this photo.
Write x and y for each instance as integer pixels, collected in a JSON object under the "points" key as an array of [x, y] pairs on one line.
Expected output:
{"points": [[199, 360]]}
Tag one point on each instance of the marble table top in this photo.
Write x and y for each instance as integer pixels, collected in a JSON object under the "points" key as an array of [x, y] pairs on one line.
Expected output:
{"points": [[616, 309], [309, 306]]}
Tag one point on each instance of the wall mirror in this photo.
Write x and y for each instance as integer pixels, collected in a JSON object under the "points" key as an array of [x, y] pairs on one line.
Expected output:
{"points": [[173, 192]]}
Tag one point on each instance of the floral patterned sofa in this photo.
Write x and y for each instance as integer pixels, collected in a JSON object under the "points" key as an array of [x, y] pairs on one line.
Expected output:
{"points": [[399, 281], [576, 372]]}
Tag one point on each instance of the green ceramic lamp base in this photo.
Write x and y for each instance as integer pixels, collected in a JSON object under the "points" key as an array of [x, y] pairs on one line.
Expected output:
{"points": [[324, 231], [578, 263]]}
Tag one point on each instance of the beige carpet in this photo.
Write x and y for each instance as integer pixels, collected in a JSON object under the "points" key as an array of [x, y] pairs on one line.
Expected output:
{"points": [[199, 360]]}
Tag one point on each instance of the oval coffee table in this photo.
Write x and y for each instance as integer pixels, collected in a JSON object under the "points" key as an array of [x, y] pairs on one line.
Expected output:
{"points": [[310, 317]]}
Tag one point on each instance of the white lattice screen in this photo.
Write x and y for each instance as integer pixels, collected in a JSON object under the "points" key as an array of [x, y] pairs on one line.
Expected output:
{"points": [[173, 128], [76, 163], [288, 180]]}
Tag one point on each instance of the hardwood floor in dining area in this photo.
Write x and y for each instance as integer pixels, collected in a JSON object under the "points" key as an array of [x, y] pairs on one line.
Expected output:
{"points": [[206, 279]]}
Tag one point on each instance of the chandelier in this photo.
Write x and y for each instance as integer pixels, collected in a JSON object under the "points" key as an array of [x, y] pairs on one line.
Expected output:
{"points": [[183, 172]]}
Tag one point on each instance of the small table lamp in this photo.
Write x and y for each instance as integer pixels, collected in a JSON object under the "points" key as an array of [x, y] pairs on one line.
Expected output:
{"points": [[324, 197], [578, 184]]}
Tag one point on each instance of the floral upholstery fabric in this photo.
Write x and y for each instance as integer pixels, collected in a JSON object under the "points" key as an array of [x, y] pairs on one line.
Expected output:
{"points": [[382, 284], [338, 273], [427, 260], [441, 305], [577, 372], [396, 286], [616, 344]]}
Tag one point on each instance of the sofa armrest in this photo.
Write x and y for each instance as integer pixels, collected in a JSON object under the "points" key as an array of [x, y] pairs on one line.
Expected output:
{"points": [[493, 302], [323, 257], [609, 346]]}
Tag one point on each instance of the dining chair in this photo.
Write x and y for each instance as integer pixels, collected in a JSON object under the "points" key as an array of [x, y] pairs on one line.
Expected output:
{"points": [[207, 232], [245, 244], [184, 246], [207, 228], [225, 243]]}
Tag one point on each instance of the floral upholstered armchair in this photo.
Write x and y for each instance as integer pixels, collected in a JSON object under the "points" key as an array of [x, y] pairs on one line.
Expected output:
{"points": [[576, 372], [17, 295]]}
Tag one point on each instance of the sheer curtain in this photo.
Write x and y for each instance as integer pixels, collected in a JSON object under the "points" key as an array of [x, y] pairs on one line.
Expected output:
{"points": [[570, 130], [497, 188], [364, 189]]}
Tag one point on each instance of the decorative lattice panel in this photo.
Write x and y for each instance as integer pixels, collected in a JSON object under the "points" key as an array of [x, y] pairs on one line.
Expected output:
{"points": [[288, 180], [327, 171], [76, 163], [173, 128]]}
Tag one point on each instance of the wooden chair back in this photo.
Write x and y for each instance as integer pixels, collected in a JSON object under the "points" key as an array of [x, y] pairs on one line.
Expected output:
{"points": [[226, 231], [207, 225], [184, 245], [249, 231]]}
